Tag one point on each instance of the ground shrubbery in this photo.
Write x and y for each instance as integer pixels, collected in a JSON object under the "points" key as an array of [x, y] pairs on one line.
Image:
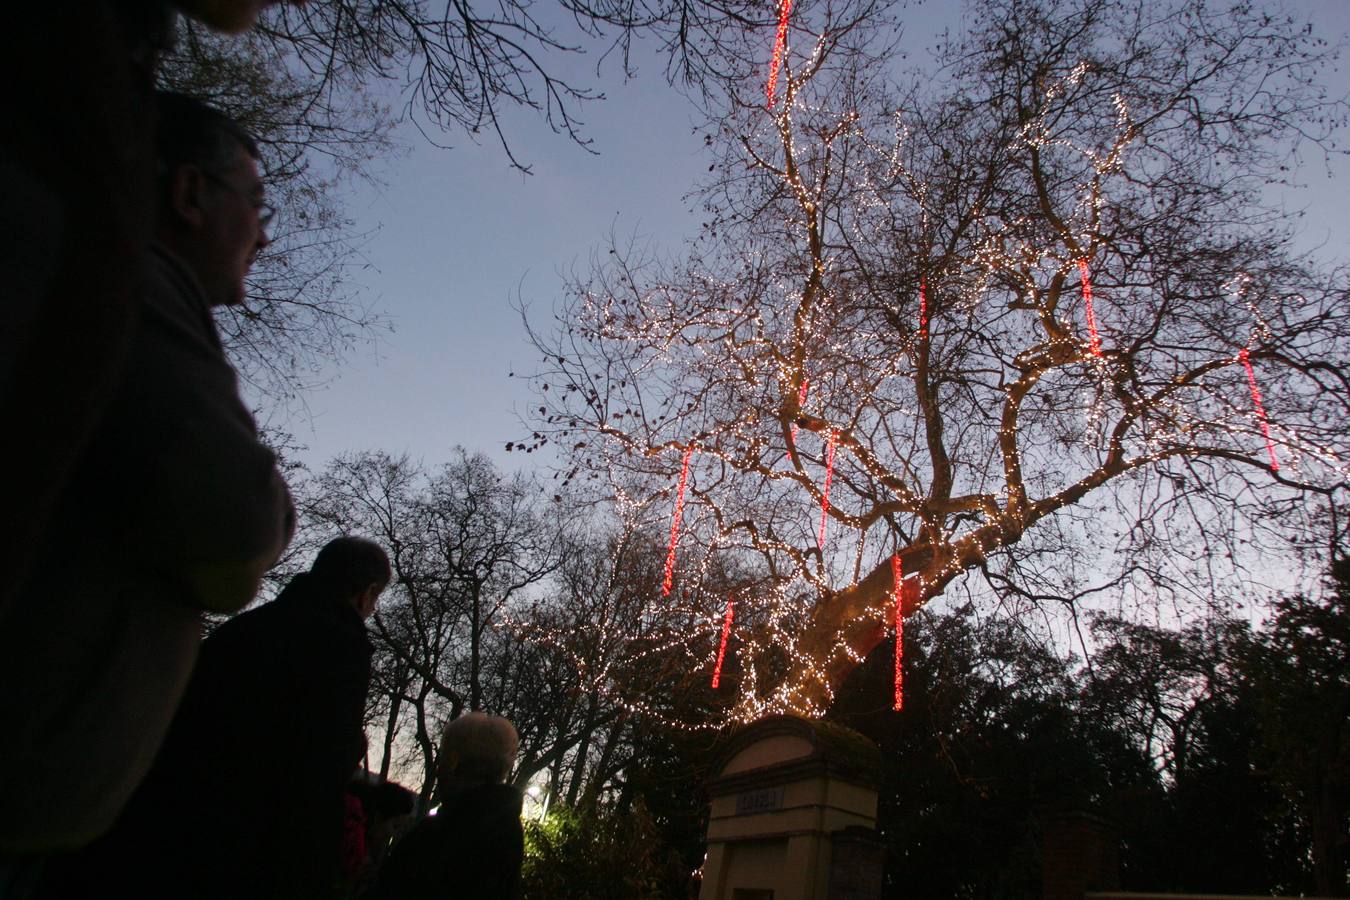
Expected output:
{"points": [[601, 854]]}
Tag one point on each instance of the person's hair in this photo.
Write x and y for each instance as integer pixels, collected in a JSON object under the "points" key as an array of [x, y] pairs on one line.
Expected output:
{"points": [[190, 132], [349, 565], [476, 749]]}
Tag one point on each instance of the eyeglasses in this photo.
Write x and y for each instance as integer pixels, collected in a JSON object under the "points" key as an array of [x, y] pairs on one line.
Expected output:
{"points": [[266, 212]]}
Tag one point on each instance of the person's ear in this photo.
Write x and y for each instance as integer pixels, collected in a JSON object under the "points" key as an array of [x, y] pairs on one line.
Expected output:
{"points": [[187, 195]]}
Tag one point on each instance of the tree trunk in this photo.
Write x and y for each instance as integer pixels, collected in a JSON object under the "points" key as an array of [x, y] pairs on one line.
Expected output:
{"points": [[475, 647], [583, 750], [1328, 819], [602, 768], [427, 746], [390, 730]]}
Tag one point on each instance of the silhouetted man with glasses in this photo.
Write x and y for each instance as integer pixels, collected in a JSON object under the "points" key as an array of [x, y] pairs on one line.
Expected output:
{"points": [[176, 508]]}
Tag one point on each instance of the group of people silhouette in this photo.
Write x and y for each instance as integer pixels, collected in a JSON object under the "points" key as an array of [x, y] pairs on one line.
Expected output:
{"points": [[137, 756]]}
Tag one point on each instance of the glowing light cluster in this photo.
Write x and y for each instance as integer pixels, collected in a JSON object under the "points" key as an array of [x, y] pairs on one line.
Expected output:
{"points": [[779, 47], [1245, 356], [669, 580], [722, 646]]}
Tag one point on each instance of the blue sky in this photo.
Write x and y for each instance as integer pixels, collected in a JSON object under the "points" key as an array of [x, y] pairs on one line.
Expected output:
{"points": [[461, 235]]}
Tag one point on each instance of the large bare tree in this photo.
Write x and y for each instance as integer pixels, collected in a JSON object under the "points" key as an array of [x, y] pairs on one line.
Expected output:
{"points": [[1032, 302]]}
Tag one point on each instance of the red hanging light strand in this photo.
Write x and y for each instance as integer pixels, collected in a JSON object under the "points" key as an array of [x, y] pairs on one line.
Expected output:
{"points": [[779, 46], [1245, 356], [1095, 341], [669, 579], [801, 404], [722, 648], [923, 310], [825, 494], [897, 572]]}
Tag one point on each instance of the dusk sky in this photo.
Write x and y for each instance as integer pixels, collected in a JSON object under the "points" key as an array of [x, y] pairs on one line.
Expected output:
{"points": [[461, 236]]}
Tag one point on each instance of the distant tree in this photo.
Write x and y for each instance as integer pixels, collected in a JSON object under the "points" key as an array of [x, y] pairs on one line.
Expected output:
{"points": [[1155, 684], [666, 771], [585, 627], [1160, 732], [899, 280], [1300, 671], [466, 543], [988, 744], [623, 685], [1182, 701], [501, 605]]}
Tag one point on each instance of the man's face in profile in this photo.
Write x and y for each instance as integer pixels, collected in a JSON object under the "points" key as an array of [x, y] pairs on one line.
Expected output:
{"points": [[368, 600], [234, 228]]}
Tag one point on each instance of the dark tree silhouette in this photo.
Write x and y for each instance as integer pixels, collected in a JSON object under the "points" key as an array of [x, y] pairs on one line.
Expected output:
{"points": [[1300, 669]]}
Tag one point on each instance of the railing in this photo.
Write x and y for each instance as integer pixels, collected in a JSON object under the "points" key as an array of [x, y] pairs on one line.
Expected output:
{"points": [[1145, 895]]}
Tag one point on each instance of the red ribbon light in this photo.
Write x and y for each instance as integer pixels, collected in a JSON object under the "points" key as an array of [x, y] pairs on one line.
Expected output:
{"points": [[779, 45], [897, 572], [722, 650], [669, 580], [923, 310], [1245, 356], [1095, 342], [825, 494]]}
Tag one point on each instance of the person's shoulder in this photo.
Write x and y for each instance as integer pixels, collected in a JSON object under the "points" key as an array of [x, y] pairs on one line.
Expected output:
{"points": [[484, 813], [173, 293], [502, 798], [421, 850], [171, 283], [243, 629]]}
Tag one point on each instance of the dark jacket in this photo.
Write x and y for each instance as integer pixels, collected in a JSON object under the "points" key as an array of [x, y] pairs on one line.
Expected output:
{"points": [[246, 797], [472, 847], [177, 507]]}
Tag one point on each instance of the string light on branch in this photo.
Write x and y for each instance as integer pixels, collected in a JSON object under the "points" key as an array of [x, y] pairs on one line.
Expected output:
{"points": [[898, 575], [722, 647], [1245, 356], [669, 580], [779, 48], [1094, 340], [825, 492]]}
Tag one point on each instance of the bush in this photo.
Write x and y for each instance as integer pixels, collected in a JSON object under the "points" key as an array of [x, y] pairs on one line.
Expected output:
{"points": [[600, 854]]}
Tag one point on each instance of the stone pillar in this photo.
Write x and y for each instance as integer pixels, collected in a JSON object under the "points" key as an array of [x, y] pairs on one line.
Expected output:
{"points": [[1080, 853], [794, 807], [856, 862]]}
